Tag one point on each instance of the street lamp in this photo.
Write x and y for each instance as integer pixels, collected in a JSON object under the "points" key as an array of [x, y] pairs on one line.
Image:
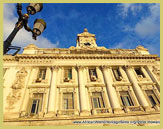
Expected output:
{"points": [[39, 25]]}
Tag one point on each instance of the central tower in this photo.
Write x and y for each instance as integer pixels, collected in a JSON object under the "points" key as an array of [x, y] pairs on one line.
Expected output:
{"points": [[86, 40]]}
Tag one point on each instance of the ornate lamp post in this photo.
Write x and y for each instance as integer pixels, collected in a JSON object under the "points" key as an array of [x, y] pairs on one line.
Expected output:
{"points": [[39, 25]]}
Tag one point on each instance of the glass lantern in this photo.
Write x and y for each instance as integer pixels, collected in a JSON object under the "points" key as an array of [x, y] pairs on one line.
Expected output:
{"points": [[33, 8], [39, 26]]}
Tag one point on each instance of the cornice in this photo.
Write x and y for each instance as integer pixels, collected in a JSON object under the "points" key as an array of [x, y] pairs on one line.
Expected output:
{"points": [[85, 56], [48, 57], [9, 58]]}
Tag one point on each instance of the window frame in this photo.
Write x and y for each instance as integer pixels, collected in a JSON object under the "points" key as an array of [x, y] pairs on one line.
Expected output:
{"points": [[154, 96], [38, 105], [130, 100], [41, 75], [66, 73], [68, 100], [100, 102], [139, 73], [117, 74], [92, 72]]}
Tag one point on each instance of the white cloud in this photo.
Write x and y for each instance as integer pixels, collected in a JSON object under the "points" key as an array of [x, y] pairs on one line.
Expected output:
{"points": [[153, 49], [126, 7], [155, 10], [127, 28], [149, 26], [23, 38], [146, 26]]}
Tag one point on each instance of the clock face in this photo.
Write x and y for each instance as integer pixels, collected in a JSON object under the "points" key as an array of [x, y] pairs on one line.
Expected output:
{"points": [[87, 44]]}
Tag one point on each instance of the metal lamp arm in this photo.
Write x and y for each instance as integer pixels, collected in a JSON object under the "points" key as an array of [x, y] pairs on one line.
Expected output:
{"points": [[28, 28], [19, 9], [34, 36]]}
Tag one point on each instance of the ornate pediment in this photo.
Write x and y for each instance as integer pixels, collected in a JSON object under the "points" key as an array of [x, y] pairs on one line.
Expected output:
{"points": [[86, 40], [86, 33]]}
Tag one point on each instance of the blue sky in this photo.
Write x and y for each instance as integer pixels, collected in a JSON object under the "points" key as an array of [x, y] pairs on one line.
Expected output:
{"points": [[115, 25]]}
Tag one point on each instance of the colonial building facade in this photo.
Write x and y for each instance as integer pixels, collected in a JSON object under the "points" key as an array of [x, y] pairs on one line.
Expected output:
{"points": [[81, 85]]}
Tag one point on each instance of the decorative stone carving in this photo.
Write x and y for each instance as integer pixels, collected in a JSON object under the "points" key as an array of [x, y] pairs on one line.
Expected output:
{"points": [[80, 67], [142, 50], [15, 95], [13, 98], [103, 67], [55, 67], [20, 79], [38, 90], [128, 67], [140, 47], [156, 71]]}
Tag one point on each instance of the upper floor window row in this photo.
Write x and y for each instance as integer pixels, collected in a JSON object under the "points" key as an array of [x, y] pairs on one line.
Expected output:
{"points": [[67, 74], [117, 74], [139, 72], [41, 74], [93, 74]]}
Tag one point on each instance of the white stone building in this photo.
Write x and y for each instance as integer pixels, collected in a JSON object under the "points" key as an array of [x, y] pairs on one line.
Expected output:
{"points": [[86, 83]]}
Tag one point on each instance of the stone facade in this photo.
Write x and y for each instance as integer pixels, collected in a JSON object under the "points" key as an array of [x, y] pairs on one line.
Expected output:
{"points": [[84, 83]]}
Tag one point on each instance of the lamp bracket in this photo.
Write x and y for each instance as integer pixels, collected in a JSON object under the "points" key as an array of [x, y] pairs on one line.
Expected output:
{"points": [[14, 48]]}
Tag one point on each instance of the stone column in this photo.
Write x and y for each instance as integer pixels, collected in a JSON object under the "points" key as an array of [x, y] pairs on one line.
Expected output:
{"points": [[52, 93], [25, 104], [111, 90], [82, 93], [153, 76], [25, 98], [138, 92], [33, 74]]}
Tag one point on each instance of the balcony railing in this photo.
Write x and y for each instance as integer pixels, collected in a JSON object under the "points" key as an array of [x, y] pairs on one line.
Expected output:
{"points": [[100, 111], [68, 112], [128, 109]]}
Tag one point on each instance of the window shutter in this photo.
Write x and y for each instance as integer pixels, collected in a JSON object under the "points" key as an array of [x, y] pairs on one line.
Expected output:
{"points": [[95, 102], [65, 73], [39, 74], [101, 102], [65, 102], [43, 74], [68, 101]]}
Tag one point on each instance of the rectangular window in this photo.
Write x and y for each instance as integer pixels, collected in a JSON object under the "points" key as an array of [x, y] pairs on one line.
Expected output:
{"points": [[139, 73], [68, 102], [67, 74], [125, 98], [97, 100], [152, 97], [93, 74], [36, 103], [41, 75], [117, 74]]}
